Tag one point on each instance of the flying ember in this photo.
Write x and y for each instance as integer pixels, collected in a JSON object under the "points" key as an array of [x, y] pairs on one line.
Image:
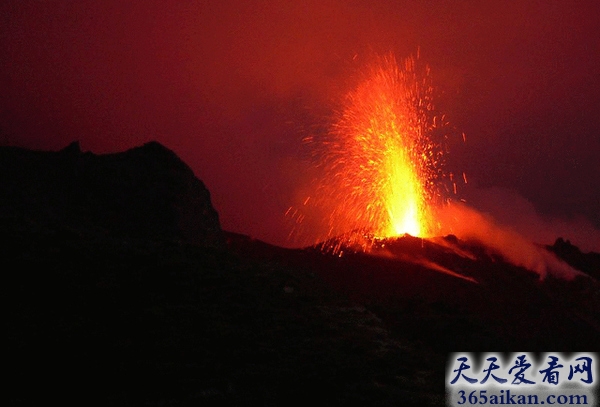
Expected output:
{"points": [[382, 164]]}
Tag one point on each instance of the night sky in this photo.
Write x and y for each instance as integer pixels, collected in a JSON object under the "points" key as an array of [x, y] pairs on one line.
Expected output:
{"points": [[233, 87]]}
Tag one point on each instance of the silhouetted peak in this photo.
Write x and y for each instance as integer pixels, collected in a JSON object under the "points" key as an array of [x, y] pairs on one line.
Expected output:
{"points": [[159, 155], [154, 148], [565, 246], [73, 148]]}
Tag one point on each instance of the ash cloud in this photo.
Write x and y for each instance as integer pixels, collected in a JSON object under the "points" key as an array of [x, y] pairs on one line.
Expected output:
{"points": [[472, 225], [511, 210]]}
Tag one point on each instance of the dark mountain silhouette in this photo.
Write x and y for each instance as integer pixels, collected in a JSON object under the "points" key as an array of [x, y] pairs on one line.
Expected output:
{"points": [[144, 192], [122, 289]]}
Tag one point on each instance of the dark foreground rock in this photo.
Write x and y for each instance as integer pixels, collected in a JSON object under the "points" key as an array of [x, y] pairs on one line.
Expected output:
{"points": [[106, 310], [154, 325]]}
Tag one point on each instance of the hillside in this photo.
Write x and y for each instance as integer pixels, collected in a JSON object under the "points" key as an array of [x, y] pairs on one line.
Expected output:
{"points": [[114, 298]]}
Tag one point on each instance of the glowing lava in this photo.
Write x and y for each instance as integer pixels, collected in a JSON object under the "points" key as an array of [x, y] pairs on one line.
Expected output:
{"points": [[381, 163]]}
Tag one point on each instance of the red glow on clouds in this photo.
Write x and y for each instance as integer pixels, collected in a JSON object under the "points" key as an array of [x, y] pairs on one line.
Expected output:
{"points": [[233, 87]]}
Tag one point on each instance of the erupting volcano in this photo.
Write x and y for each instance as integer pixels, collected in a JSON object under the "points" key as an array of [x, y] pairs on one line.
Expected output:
{"points": [[382, 161], [384, 175]]}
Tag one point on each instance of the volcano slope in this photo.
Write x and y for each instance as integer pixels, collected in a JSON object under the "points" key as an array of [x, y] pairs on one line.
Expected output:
{"points": [[121, 289]]}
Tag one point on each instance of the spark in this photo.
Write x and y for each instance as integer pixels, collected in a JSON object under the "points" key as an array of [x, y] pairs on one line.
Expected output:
{"points": [[381, 162]]}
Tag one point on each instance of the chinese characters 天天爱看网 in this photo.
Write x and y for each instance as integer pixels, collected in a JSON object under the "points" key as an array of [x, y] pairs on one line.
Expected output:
{"points": [[521, 371]]}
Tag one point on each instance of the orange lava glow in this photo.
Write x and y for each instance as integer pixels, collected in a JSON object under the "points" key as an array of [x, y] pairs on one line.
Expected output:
{"points": [[380, 161]]}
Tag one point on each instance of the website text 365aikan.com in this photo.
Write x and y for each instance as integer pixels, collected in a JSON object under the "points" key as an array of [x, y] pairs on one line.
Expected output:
{"points": [[522, 379]]}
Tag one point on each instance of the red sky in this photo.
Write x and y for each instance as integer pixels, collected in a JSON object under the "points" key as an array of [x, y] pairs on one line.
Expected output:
{"points": [[233, 87]]}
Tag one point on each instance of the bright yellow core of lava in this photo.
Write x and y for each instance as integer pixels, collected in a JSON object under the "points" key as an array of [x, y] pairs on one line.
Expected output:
{"points": [[402, 196], [380, 153]]}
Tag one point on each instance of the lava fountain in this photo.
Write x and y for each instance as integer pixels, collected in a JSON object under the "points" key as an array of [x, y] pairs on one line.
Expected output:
{"points": [[381, 163], [383, 175]]}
